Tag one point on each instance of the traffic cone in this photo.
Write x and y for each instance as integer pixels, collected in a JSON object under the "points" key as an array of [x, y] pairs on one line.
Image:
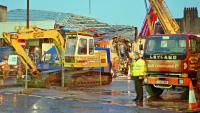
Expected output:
{"points": [[193, 105]]}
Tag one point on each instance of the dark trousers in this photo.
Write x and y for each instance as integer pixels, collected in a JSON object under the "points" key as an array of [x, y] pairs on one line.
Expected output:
{"points": [[138, 87]]}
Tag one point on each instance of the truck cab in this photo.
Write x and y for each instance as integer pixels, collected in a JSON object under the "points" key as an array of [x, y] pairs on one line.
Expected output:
{"points": [[172, 60]]}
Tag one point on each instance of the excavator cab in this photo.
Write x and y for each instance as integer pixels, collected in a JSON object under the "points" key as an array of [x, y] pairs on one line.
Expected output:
{"points": [[79, 45], [80, 51]]}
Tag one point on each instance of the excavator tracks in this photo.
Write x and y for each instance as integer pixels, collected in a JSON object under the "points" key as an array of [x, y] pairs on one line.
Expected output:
{"points": [[72, 79], [89, 79]]}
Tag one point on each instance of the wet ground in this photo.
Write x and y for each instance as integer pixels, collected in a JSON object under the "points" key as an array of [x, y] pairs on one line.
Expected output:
{"points": [[114, 98]]}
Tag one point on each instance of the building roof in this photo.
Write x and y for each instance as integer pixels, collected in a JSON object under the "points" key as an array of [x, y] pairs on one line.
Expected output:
{"points": [[71, 21]]}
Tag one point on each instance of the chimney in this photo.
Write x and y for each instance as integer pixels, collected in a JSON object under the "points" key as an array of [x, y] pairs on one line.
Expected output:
{"points": [[190, 20], [3, 13], [191, 12]]}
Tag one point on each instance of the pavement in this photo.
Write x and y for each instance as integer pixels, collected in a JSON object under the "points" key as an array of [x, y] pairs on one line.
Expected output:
{"points": [[120, 93]]}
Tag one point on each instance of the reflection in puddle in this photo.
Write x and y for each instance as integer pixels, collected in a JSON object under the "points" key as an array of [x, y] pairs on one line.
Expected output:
{"points": [[99, 94], [115, 101], [80, 108], [14, 100], [113, 93], [1, 99], [122, 93], [167, 103], [154, 98]]}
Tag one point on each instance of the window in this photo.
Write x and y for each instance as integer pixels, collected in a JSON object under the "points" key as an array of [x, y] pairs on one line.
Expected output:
{"points": [[151, 46], [91, 47], [195, 45], [182, 43], [47, 57], [82, 47], [97, 45], [173, 45], [70, 45], [164, 43], [198, 45]]}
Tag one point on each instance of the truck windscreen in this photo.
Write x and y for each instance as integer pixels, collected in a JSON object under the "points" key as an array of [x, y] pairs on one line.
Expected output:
{"points": [[165, 47]]}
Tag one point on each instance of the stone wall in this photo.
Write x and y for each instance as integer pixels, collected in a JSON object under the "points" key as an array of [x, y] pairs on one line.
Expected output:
{"points": [[190, 23], [3, 13]]}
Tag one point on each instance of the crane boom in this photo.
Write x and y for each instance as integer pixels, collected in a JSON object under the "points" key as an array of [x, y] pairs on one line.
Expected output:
{"points": [[167, 22], [148, 25]]}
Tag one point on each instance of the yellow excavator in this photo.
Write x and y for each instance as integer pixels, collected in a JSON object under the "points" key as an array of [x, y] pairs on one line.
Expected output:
{"points": [[82, 63]]}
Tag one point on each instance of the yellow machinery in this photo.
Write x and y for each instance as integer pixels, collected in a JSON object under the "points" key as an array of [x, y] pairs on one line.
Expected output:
{"points": [[76, 50], [79, 51], [167, 22], [30, 34]]}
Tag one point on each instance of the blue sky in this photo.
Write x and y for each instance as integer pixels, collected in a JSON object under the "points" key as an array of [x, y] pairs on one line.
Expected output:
{"points": [[123, 12]]}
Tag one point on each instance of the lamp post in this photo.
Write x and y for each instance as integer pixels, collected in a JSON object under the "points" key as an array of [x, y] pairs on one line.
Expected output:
{"points": [[27, 15], [89, 6], [27, 26], [26, 77], [63, 71]]}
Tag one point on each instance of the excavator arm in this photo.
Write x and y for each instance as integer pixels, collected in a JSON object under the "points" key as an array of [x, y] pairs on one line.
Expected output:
{"points": [[31, 34]]}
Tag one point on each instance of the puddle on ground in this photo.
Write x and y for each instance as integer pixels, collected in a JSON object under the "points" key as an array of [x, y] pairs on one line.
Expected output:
{"points": [[169, 100]]}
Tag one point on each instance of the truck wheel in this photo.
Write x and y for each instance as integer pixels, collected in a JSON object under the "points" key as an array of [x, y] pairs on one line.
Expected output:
{"points": [[153, 91]]}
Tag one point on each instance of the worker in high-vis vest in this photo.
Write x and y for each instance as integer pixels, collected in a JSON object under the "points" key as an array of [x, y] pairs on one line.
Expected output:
{"points": [[138, 69]]}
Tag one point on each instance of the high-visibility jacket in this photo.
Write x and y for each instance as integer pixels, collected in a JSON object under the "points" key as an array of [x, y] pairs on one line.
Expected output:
{"points": [[138, 68]]}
